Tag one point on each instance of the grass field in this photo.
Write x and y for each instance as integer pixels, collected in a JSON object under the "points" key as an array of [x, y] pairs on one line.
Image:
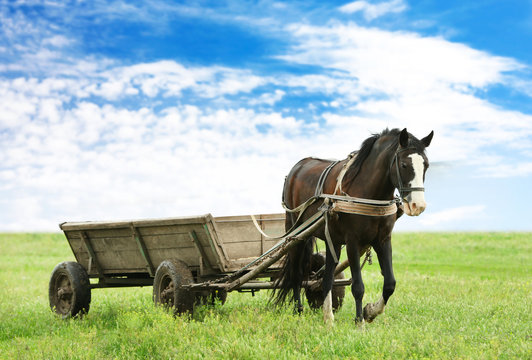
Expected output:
{"points": [[458, 296]]}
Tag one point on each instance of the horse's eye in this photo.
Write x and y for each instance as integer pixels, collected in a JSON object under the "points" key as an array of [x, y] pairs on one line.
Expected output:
{"points": [[403, 165]]}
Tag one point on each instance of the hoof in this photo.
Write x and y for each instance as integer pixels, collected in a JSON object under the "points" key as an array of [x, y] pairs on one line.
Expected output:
{"points": [[371, 311], [368, 315], [299, 310], [329, 321], [360, 322]]}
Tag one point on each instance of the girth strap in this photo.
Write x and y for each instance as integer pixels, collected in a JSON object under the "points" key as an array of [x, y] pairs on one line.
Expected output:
{"points": [[363, 209]]}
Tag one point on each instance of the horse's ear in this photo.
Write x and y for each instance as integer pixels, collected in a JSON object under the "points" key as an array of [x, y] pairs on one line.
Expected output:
{"points": [[403, 138], [426, 140]]}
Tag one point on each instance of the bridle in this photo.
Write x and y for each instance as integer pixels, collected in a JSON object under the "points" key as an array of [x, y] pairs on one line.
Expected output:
{"points": [[400, 187]]}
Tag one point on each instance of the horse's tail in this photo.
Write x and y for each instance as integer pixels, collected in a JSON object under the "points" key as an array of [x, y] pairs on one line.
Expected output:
{"points": [[296, 266], [295, 269]]}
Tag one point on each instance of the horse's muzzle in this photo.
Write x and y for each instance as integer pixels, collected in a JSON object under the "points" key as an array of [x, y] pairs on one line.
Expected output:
{"points": [[414, 204]]}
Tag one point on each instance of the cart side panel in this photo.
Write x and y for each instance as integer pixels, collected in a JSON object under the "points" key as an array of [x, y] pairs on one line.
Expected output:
{"points": [[242, 240], [182, 242], [117, 250]]}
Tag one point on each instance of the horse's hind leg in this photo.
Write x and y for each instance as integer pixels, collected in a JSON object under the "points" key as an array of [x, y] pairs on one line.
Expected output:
{"points": [[297, 299], [300, 257], [297, 277], [328, 279], [384, 253]]}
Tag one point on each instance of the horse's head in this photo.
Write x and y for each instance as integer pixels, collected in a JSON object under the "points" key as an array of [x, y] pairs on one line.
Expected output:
{"points": [[407, 171]]}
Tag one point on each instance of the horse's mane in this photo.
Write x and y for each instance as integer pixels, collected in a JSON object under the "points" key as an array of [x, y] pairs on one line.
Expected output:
{"points": [[367, 146]]}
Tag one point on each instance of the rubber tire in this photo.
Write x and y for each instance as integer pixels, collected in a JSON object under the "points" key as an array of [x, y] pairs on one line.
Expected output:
{"points": [[315, 298], [170, 276], [72, 280]]}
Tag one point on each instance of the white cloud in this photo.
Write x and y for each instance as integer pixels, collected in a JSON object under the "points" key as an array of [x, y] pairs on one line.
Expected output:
{"points": [[503, 169], [268, 98], [57, 41], [403, 79], [92, 138], [458, 214], [169, 79], [394, 62], [102, 161], [373, 11]]}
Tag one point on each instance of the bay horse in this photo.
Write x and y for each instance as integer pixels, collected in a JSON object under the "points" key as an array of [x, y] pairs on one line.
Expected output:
{"points": [[393, 159]]}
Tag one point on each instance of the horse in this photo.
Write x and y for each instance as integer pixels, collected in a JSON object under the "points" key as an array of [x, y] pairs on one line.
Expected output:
{"points": [[392, 159]]}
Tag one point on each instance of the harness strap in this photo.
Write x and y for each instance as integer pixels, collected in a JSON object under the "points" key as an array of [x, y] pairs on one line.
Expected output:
{"points": [[319, 193], [328, 238], [361, 200], [339, 180], [301, 209], [323, 178]]}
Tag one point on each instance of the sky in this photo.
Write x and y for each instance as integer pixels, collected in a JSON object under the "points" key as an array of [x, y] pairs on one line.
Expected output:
{"points": [[114, 110]]}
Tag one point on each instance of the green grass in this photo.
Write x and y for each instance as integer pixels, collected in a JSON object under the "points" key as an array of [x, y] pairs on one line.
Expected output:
{"points": [[458, 296]]}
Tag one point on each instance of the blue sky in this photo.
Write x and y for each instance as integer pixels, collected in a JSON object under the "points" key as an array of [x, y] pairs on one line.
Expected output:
{"points": [[116, 110]]}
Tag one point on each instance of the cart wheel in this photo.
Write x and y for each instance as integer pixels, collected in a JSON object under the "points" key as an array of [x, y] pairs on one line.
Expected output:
{"points": [[167, 290], [69, 290], [315, 297]]}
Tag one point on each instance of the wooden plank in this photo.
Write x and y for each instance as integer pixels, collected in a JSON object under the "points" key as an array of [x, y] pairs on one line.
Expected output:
{"points": [[244, 249], [129, 260], [171, 242], [143, 250], [240, 229], [246, 218], [212, 245], [144, 231], [204, 258], [271, 259], [242, 240], [217, 244], [137, 223], [262, 237], [93, 259], [168, 229]]}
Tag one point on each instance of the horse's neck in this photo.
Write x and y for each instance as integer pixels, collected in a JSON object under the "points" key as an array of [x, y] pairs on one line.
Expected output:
{"points": [[373, 180]]}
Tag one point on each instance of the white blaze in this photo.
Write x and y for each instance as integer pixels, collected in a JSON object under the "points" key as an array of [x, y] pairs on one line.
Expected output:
{"points": [[417, 203]]}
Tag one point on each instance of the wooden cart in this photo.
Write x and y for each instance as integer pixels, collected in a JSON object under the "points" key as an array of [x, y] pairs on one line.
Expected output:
{"points": [[188, 260]]}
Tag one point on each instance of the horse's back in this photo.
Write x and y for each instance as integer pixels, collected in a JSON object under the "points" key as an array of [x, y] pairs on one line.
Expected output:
{"points": [[300, 183]]}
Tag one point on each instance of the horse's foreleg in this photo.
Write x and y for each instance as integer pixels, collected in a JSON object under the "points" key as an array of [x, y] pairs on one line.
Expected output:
{"points": [[384, 253], [328, 280], [357, 286]]}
